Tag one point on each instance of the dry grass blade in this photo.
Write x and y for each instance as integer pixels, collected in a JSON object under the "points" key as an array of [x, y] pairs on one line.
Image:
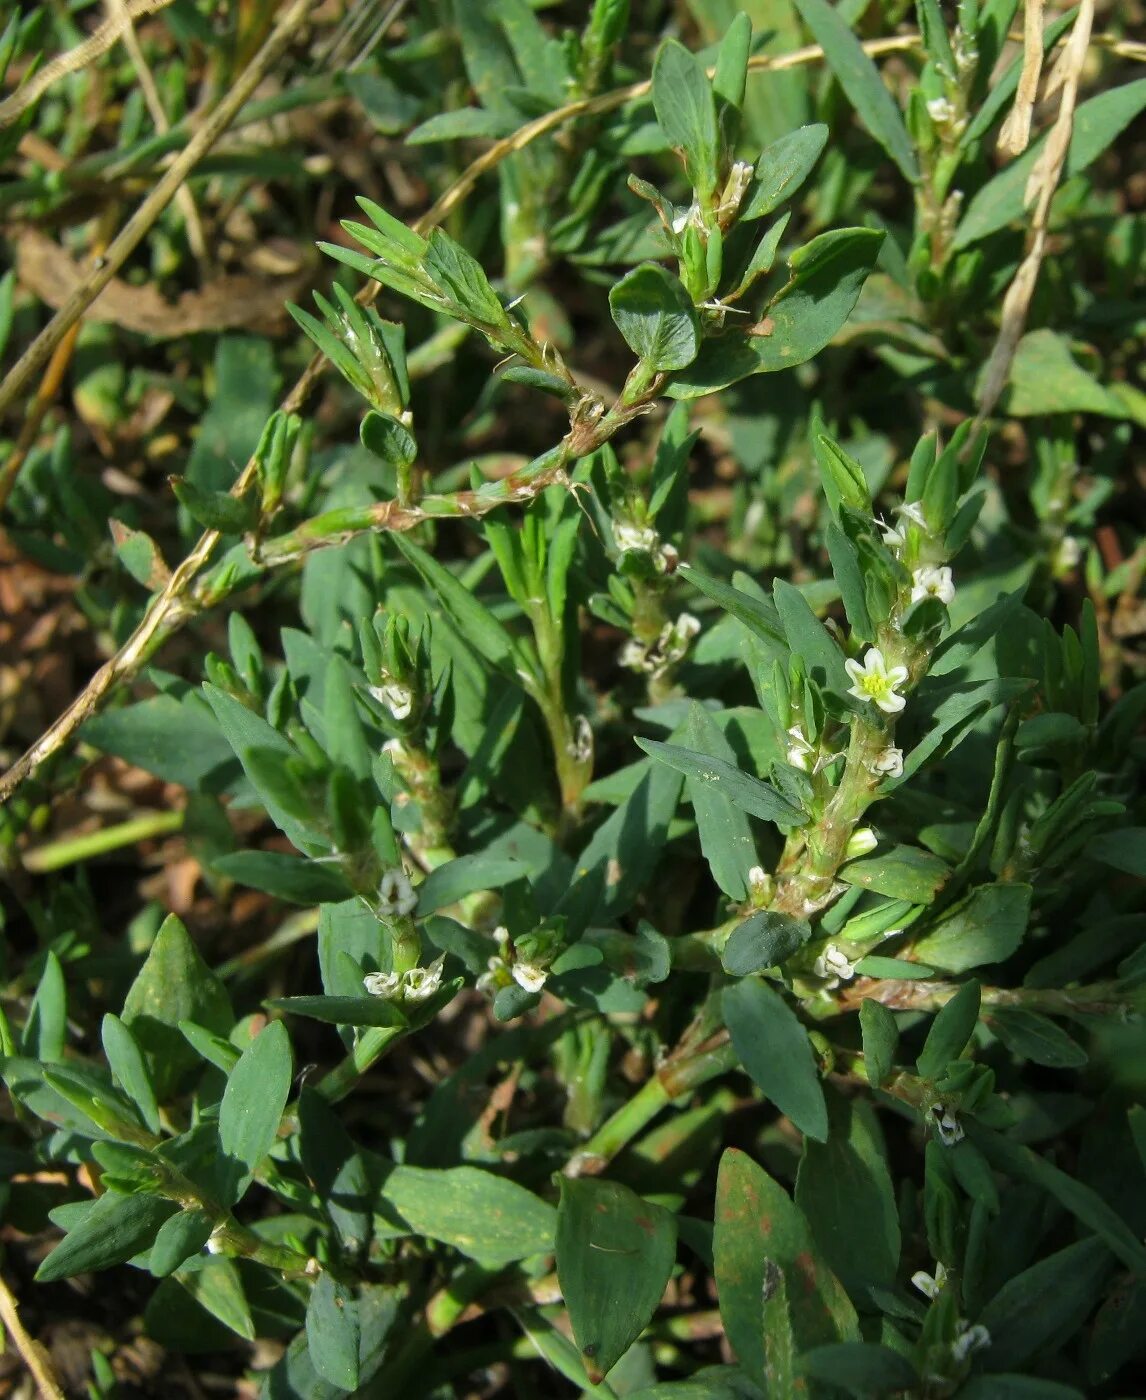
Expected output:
{"points": [[1040, 190], [71, 62], [33, 1355], [1016, 131]]}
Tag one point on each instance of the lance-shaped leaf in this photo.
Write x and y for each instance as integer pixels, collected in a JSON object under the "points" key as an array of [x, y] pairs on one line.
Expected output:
{"points": [[615, 1253], [751, 795], [760, 1240], [774, 1048]]}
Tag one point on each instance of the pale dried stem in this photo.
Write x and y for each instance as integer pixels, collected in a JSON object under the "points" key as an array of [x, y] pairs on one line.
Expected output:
{"points": [[33, 1355], [137, 227], [1016, 130], [184, 199], [71, 62], [1041, 188]]}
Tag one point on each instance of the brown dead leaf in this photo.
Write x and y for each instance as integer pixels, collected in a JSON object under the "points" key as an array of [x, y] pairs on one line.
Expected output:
{"points": [[253, 303]]}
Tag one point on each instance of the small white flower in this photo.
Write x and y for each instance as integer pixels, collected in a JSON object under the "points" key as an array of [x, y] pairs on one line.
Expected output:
{"points": [[666, 558], [874, 681], [422, 982], [685, 627], [887, 764], [382, 984], [969, 1341], [932, 583], [398, 698], [634, 655], [688, 216], [631, 538], [833, 965], [940, 111], [580, 745], [860, 843], [913, 511], [529, 976], [930, 1286], [396, 896], [948, 1127], [214, 1243], [758, 880], [893, 535], [1067, 555], [799, 749]]}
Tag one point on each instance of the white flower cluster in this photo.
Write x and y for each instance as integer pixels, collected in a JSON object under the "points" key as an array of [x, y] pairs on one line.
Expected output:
{"points": [[970, 1339], [398, 698], [932, 583], [669, 648], [500, 971], [396, 896], [834, 967], [643, 539], [415, 984], [947, 1125]]}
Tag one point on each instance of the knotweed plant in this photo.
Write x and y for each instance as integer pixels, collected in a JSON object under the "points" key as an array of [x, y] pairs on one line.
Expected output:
{"points": [[713, 813]]}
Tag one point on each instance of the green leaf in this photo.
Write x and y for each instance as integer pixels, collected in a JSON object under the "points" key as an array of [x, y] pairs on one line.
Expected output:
{"points": [[343, 1010], [476, 624], [126, 1061], [1006, 1387], [1040, 1309], [880, 1040], [843, 478], [286, 877], [686, 112], [333, 1333], [464, 875], [179, 1239], [139, 555], [760, 1240], [759, 615], [261, 749], [388, 439], [741, 789], [846, 1194], [849, 575], [950, 1031], [463, 123], [113, 1229], [1097, 123], [46, 1029], [725, 835], [1036, 1038], [252, 1107], [861, 82], [217, 1287], [773, 1047], [809, 638], [782, 168], [763, 940], [615, 1254], [173, 985], [461, 277], [904, 872], [828, 274], [486, 1217], [1046, 378], [655, 314], [860, 1368], [985, 927], [1123, 850], [177, 740], [216, 510], [1082, 1201]]}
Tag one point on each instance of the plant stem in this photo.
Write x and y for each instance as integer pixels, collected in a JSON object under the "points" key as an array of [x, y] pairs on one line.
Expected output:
{"points": [[70, 850]]}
